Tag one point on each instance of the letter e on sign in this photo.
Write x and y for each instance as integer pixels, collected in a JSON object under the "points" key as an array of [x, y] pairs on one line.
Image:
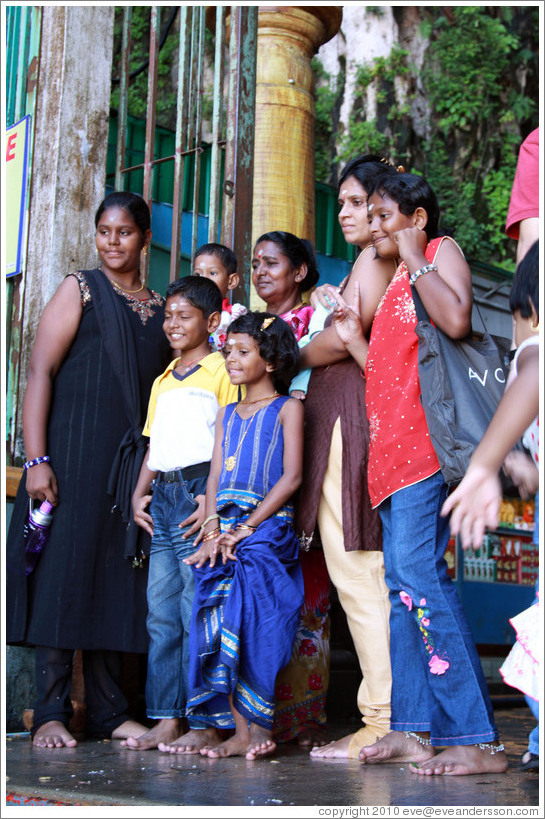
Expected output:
{"points": [[10, 150]]}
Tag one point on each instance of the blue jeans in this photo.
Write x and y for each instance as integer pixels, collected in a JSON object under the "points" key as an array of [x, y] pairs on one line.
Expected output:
{"points": [[171, 587], [438, 683], [533, 739]]}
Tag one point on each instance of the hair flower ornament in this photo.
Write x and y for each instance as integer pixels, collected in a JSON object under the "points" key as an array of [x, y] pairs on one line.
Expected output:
{"points": [[267, 323]]}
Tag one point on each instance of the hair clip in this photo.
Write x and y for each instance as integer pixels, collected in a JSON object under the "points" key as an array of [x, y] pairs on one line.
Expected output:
{"points": [[267, 323], [400, 169]]}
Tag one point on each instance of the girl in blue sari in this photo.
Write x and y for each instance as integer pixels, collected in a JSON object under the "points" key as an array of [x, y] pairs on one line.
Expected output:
{"points": [[249, 585]]}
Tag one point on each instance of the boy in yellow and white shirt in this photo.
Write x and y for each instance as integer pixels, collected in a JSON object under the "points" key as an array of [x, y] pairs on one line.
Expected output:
{"points": [[182, 411]]}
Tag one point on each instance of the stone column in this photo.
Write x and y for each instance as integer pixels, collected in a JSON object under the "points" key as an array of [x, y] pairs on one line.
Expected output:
{"points": [[288, 37]]}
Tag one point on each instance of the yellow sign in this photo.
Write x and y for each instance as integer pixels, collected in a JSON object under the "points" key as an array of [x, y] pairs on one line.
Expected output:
{"points": [[16, 170]]}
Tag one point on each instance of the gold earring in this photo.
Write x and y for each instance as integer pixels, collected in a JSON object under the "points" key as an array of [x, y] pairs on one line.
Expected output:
{"points": [[144, 250]]}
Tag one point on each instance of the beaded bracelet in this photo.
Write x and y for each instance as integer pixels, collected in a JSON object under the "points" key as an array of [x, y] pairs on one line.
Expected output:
{"points": [[420, 272], [43, 459]]}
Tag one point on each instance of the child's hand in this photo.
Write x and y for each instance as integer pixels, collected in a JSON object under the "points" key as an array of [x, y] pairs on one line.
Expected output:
{"points": [[229, 541], [196, 518], [475, 505], [411, 242], [299, 394], [523, 472], [142, 517], [228, 552], [206, 551]]}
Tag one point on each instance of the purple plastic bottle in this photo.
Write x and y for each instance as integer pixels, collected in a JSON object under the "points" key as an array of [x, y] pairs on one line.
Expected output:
{"points": [[36, 533]]}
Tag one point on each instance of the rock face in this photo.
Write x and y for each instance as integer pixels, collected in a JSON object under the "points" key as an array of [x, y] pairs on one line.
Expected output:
{"points": [[364, 35]]}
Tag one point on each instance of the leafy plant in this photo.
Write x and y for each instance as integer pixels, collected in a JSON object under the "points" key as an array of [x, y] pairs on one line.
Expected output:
{"points": [[479, 88]]}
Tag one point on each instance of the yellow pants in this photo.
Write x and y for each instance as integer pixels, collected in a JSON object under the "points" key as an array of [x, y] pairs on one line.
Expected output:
{"points": [[359, 579]]}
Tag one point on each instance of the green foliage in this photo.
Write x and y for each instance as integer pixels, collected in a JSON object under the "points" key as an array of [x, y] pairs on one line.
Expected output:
{"points": [[478, 120], [325, 100], [479, 85], [366, 136], [139, 53]]}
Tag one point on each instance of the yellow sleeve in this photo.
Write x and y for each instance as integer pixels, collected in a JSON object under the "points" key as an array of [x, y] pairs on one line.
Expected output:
{"points": [[151, 407]]}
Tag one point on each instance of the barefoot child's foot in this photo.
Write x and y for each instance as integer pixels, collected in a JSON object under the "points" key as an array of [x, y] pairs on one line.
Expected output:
{"points": [[53, 734], [397, 746], [234, 746], [165, 731], [192, 742], [261, 743], [460, 760]]}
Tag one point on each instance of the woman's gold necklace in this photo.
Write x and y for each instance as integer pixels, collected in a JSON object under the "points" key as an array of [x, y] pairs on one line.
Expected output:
{"points": [[231, 460], [124, 289]]}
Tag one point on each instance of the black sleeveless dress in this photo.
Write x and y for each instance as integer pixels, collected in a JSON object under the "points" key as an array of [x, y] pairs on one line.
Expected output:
{"points": [[84, 592]]}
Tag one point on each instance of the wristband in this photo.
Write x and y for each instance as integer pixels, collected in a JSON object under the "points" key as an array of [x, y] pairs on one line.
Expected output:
{"points": [[41, 460], [420, 272]]}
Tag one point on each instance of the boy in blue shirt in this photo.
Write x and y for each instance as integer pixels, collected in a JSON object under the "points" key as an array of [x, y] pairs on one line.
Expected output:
{"points": [[182, 412]]}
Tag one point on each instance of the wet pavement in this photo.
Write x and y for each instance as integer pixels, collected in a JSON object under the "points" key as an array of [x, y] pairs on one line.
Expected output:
{"points": [[102, 773]]}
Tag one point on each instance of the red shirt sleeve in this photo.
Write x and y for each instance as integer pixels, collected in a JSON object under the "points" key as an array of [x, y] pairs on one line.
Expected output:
{"points": [[524, 202]]}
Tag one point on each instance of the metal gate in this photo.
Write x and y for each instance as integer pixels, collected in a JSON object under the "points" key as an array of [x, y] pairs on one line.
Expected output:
{"points": [[233, 93]]}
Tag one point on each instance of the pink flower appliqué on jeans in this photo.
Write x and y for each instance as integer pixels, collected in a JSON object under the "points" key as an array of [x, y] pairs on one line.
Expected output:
{"points": [[438, 665], [406, 598]]}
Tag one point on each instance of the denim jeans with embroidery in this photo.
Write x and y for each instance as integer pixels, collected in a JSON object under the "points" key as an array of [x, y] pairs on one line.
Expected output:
{"points": [[171, 588], [438, 684], [533, 739]]}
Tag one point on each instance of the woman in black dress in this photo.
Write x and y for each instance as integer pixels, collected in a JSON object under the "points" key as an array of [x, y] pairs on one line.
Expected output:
{"points": [[98, 348]]}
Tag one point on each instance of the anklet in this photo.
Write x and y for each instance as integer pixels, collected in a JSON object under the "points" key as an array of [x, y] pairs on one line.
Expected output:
{"points": [[487, 746], [418, 738]]}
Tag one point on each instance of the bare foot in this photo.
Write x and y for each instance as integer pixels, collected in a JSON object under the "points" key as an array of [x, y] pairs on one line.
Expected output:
{"points": [[53, 734], [236, 745], [347, 747], [333, 750], [312, 737], [460, 760], [261, 743], [396, 747], [143, 739], [192, 742]]}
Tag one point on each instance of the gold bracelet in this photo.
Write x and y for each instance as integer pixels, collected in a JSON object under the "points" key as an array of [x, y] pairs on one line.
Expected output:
{"points": [[212, 535], [243, 526], [215, 516]]}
